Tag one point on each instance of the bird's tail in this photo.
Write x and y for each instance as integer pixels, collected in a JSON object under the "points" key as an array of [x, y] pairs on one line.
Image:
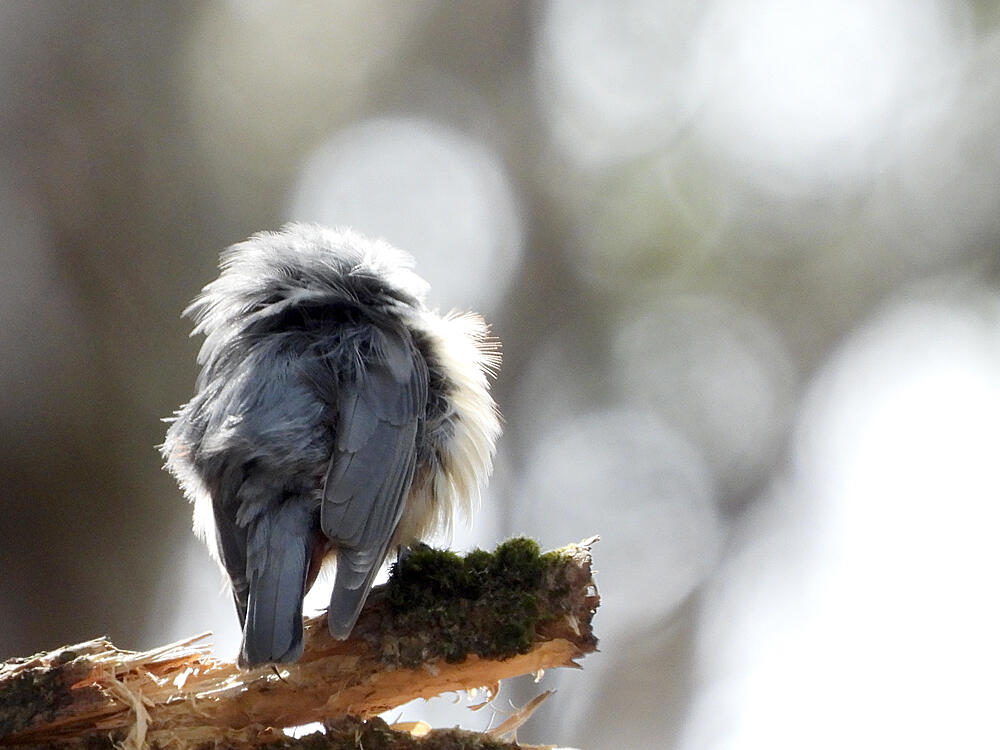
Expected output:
{"points": [[278, 555]]}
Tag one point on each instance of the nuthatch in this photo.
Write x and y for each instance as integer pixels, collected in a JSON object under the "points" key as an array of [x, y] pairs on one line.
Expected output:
{"points": [[335, 416]]}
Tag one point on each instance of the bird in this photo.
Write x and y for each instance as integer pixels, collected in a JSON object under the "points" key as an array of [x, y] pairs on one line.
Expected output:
{"points": [[336, 417]]}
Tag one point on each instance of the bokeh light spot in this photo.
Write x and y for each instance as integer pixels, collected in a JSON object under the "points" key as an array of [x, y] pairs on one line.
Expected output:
{"points": [[801, 94], [718, 373], [437, 193], [610, 75], [625, 476]]}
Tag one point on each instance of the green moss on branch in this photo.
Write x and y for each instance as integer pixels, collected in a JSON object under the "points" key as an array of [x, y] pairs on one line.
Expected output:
{"points": [[440, 605]]}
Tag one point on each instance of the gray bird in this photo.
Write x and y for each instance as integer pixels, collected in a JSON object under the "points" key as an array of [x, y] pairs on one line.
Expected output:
{"points": [[336, 417]]}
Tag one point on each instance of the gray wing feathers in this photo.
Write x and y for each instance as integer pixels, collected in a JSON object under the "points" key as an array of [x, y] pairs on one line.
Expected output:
{"points": [[372, 468], [346, 602], [277, 561], [230, 536]]}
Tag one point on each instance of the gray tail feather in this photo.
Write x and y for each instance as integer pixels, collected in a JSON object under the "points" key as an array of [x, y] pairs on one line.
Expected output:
{"points": [[350, 590], [272, 632]]}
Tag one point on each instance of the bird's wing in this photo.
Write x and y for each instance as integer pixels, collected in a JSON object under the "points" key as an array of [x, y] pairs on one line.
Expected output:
{"points": [[230, 536], [380, 408]]}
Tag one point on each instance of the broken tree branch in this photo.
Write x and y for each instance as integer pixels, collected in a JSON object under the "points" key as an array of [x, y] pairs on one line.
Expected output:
{"points": [[442, 623]]}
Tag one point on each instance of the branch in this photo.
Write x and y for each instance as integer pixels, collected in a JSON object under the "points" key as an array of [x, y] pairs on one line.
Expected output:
{"points": [[442, 623]]}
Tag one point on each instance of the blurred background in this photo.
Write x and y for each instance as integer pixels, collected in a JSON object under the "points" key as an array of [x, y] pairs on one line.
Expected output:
{"points": [[743, 259]]}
